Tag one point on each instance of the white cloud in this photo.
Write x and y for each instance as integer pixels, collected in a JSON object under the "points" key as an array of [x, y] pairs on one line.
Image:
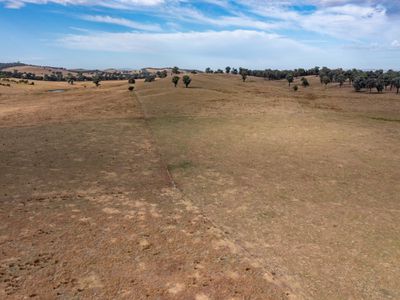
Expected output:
{"points": [[247, 47], [110, 3], [122, 21]]}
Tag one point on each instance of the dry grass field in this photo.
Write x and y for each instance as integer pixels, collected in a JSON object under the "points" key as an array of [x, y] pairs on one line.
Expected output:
{"points": [[224, 190]]}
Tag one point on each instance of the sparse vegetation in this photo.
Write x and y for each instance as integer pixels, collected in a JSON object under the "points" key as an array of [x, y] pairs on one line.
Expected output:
{"points": [[295, 88], [131, 88]]}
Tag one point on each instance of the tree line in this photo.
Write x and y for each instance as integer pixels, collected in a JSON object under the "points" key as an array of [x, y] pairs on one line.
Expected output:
{"points": [[359, 79]]}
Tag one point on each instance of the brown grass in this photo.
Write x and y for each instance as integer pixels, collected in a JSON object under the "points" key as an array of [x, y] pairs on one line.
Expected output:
{"points": [[280, 193]]}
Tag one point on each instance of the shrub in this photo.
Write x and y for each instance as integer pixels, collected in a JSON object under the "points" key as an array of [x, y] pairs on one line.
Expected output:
{"points": [[304, 82], [150, 78], [295, 88], [131, 88], [131, 81], [186, 80], [175, 80]]}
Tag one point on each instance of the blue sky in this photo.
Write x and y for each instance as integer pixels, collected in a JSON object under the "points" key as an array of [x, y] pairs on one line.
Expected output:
{"points": [[201, 33]]}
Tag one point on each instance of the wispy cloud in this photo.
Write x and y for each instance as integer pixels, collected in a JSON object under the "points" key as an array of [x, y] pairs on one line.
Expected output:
{"points": [[122, 22]]}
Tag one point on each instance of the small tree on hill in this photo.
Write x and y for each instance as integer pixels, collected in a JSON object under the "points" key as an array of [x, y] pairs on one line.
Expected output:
{"points": [[289, 78], [228, 70], [305, 82], [175, 80], [186, 80]]}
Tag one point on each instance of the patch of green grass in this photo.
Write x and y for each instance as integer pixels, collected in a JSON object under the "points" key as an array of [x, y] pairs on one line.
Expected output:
{"points": [[385, 119], [183, 165]]}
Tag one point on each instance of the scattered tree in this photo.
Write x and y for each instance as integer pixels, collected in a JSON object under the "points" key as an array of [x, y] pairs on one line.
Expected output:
{"points": [[341, 78], [380, 86], [326, 80], [234, 71], [175, 70], [396, 83], [370, 83], [186, 80], [289, 78], [305, 82], [175, 80], [96, 80], [228, 70]]}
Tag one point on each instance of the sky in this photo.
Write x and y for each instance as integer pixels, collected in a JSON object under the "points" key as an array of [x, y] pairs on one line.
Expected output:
{"points": [[255, 34]]}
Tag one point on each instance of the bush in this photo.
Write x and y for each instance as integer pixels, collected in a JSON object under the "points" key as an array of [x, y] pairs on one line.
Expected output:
{"points": [[295, 88], [186, 80], [150, 78], [131, 88], [304, 82], [131, 81]]}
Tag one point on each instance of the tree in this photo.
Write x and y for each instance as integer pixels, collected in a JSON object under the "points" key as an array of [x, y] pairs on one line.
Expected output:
{"points": [[341, 78], [234, 71], [370, 83], [358, 84], [326, 80], [96, 80], [208, 71], [380, 86], [295, 88], [396, 83], [304, 82], [150, 78], [175, 70], [289, 78], [131, 81], [175, 80], [131, 88], [228, 70], [186, 80]]}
